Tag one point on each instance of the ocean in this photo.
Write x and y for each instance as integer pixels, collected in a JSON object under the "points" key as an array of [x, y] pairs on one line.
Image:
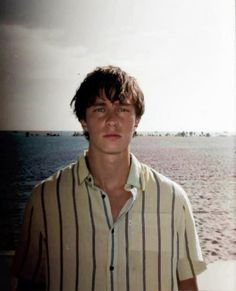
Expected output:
{"points": [[204, 166]]}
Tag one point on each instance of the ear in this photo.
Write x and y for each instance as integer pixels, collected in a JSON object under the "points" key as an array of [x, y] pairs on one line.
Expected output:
{"points": [[136, 122], [84, 125]]}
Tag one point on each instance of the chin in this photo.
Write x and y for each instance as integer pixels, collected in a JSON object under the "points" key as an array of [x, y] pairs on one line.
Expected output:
{"points": [[114, 150]]}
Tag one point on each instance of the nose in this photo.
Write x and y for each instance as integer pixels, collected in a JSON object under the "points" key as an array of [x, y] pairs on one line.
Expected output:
{"points": [[112, 118]]}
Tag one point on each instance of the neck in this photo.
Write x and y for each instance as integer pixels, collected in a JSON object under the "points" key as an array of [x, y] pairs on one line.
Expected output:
{"points": [[110, 172]]}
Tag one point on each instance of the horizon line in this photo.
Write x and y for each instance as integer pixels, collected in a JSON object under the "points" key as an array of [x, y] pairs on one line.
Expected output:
{"points": [[141, 131]]}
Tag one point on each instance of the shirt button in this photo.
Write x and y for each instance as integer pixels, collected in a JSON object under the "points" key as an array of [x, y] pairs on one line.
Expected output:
{"points": [[90, 179], [111, 268], [112, 231], [103, 196]]}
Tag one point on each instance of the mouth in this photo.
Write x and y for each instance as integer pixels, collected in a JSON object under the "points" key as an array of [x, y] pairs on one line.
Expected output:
{"points": [[112, 135]]}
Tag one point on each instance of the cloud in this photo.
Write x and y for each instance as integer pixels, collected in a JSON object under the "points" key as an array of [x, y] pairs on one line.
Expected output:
{"points": [[79, 21], [23, 12], [177, 49]]}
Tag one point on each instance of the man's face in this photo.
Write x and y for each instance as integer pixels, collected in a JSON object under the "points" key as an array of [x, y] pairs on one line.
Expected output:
{"points": [[110, 125]]}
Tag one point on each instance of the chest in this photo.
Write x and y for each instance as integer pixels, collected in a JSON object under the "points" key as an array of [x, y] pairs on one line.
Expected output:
{"points": [[105, 250]]}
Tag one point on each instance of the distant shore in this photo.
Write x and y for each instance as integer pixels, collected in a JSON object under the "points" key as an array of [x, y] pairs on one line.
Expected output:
{"points": [[28, 133]]}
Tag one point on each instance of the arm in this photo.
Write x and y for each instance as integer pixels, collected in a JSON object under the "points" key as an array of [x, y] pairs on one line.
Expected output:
{"points": [[28, 264], [190, 261], [188, 285]]}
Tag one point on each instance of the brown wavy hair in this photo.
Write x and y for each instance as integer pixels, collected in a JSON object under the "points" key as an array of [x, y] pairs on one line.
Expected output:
{"points": [[116, 84]]}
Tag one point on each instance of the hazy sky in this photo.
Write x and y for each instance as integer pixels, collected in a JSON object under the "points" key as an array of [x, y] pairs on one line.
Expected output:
{"points": [[181, 52]]}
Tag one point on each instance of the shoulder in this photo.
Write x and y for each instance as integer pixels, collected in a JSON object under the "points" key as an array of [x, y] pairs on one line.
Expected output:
{"points": [[151, 175], [166, 185], [63, 176]]}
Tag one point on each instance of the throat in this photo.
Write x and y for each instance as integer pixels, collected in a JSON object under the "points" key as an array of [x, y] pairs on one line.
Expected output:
{"points": [[117, 202]]}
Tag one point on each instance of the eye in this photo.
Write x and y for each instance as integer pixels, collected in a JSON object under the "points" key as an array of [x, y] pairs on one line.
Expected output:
{"points": [[99, 109], [123, 109]]}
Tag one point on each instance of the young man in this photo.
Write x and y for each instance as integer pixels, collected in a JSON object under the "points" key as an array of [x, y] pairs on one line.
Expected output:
{"points": [[108, 222]]}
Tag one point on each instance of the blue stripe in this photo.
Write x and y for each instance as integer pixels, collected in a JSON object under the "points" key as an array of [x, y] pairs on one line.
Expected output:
{"points": [[127, 249], [61, 229], [93, 240], [105, 209], [112, 261], [76, 230], [144, 241], [158, 230], [172, 238], [177, 255], [46, 235]]}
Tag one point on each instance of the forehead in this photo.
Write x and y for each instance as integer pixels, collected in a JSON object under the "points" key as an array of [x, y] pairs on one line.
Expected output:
{"points": [[113, 98]]}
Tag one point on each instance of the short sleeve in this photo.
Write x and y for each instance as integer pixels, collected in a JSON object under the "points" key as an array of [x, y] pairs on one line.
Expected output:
{"points": [[28, 262], [190, 260]]}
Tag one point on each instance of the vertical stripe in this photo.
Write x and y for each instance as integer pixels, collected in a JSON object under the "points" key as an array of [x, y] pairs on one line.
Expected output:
{"points": [[112, 261], [158, 230], [39, 258], [144, 241], [188, 254], [93, 240], [76, 231], [177, 247], [28, 239], [177, 255], [105, 209], [61, 229], [172, 238], [46, 235], [187, 251], [127, 249]]}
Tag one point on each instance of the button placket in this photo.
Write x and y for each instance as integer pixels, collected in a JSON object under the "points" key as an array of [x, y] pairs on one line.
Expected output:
{"points": [[112, 258], [107, 211]]}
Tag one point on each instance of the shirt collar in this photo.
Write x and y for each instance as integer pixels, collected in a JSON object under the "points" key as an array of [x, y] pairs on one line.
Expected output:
{"points": [[83, 171], [134, 180]]}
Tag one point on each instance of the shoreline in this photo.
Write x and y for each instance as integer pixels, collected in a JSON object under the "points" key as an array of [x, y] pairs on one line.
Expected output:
{"points": [[76, 133]]}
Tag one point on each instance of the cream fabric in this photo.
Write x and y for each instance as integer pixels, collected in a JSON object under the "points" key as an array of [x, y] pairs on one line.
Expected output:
{"points": [[70, 240]]}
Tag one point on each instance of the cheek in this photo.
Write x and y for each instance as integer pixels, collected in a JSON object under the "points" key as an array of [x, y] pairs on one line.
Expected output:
{"points": [[130, 125]]}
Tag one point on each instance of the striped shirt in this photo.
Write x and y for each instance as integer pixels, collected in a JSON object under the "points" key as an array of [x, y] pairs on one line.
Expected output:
{"points": [[71, 242]]}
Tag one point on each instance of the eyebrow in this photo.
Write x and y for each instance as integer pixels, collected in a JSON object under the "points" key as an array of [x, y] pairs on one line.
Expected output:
{"points": [[125, 104], [99, 103]]}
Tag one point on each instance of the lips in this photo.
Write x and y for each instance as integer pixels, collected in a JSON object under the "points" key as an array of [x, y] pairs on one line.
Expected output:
{"points": [[112, 135]]}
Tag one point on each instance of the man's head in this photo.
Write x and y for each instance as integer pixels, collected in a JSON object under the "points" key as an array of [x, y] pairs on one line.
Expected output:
{"points": [[112, 82]]}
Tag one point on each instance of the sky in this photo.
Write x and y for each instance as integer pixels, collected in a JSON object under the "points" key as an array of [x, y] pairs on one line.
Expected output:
{"points": [[182, 52]]}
